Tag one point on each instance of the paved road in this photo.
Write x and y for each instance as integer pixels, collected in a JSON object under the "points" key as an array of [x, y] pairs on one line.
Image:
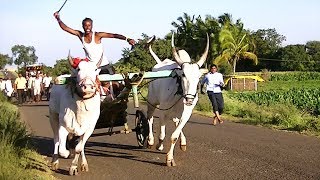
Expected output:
{"points": [[227, 151]]}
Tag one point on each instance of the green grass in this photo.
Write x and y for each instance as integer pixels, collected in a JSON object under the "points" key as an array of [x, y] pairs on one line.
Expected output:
{"points": [[18, 160], [22, 163], [279, 115], [286, 85]]}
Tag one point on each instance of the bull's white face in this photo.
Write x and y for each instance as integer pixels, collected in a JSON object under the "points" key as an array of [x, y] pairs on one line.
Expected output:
{"points": [[190, 79], [86, 79]]}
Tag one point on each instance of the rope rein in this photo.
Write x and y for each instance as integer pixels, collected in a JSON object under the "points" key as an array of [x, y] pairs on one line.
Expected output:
{"points": [[144, 98], [156, 106]]}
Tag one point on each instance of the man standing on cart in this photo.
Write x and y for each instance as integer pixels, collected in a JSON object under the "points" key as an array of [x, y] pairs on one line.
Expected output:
{"points": [[92, 41]]}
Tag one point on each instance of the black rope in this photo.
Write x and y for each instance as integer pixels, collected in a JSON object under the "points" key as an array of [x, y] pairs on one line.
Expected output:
{"points": [[152, 104]]}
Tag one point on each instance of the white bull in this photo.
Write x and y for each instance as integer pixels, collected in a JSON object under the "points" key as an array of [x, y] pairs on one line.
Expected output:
{"points": [[74, 110], [163, 92]]}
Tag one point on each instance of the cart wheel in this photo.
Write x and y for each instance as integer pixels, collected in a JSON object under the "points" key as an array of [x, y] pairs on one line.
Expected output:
{"points": [[142, 128]]}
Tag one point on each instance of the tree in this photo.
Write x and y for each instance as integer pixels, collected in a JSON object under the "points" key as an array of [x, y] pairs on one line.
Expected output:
{"points": [[47, 70], [225, 19], [62, 66], [296, 58], [140, 57], [211, 26], [235, 46], [4, 60], [267, 42], [187, 36], [23, 55], [313, 49], [185, 29]]}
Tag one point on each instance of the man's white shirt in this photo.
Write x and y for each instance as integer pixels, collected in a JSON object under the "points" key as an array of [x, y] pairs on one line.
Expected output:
{"points": [[213, 82]]}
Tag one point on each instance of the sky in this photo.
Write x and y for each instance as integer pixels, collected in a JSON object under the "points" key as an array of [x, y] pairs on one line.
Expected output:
{"points": [[31, 22]]}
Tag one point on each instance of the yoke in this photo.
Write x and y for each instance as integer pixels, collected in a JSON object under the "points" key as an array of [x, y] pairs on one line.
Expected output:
{"points": [[135, 79]]}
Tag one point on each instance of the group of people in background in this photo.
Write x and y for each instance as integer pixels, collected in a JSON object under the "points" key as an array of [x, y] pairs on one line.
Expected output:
{"points": [[27, 89]]}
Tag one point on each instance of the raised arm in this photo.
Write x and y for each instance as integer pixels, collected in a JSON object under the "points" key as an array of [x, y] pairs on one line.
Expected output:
{"points": [[66, 28], [117, 36]]}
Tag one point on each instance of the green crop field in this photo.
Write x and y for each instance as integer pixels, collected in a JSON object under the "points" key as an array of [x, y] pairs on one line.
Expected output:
{"points": [[288, 101]]}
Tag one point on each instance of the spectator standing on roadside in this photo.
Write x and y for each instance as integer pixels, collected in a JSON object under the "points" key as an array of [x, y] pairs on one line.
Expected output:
{"points": [[8, 88], [2, 84], [46, 85], [20, 86], [37, 86], [30, 82]]}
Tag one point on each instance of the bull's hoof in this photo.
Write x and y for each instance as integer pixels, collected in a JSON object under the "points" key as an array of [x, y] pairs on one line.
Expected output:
{"points": [[183, 147], [84, 167], [64, 154], [170, 163], [55, 166], [73, 170], [150, 146], [72, 153], [160, 147]]}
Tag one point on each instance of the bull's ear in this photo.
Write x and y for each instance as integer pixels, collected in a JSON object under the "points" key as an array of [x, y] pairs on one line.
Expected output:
{"points": [[179, 72], [73, 72]]}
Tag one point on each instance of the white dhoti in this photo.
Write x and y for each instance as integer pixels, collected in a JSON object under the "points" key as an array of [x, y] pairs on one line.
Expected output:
{"points": [[36, 91]]}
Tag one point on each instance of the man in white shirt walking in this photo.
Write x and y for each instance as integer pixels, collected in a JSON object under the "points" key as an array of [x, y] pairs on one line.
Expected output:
{"points": [[46, 84], [214, 82], [37, 86], [8, 88]]}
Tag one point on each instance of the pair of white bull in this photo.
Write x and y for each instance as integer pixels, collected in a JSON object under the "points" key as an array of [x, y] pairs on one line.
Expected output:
{"points": [[76, 110]]}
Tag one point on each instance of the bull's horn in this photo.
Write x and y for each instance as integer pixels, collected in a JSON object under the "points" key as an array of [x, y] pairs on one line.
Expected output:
{"points": [[151, 39], [70, 59], [100, 61], [205, 54], [174, 51], [155, 57]]}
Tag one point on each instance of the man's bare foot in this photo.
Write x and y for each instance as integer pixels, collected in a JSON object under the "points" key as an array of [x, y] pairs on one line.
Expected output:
{"points": [[214, 121]]}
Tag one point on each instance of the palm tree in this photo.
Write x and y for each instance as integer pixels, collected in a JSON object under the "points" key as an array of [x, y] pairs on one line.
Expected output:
{"points": [[185, 30], [210, 26], [235, 46], [224, 19]]}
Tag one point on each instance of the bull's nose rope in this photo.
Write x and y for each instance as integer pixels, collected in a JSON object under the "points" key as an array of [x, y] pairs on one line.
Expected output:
{"points": [[85, 106]]}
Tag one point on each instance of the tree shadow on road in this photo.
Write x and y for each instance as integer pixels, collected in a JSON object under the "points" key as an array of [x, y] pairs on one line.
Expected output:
{"points": [[43, 145], [121, 146], [106, 152]]}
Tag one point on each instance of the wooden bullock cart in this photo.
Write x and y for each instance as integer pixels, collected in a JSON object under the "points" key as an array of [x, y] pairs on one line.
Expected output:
{"points": [[114, 112]]}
